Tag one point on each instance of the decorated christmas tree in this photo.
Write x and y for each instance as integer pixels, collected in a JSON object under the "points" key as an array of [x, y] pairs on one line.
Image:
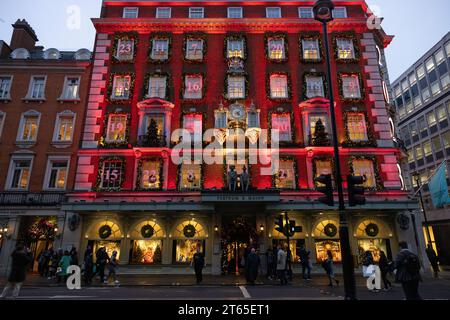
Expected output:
{"points": [[138, 255], [320, 137], [157, 255], [153, 139]]}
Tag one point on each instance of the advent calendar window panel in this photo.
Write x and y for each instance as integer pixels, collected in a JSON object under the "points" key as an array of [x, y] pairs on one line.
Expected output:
{"points": [[193, 123], [117, 125], [150, 177], [285, 177], [314, 87], [194, 49], [365, 167], [350, 86], [125, 50], [345, 48], [160, 49], [313, 119], [235, 49], [121, 87], [157, 87], [311, 49], [193, 87], [357, 127], [190, 177], [323, 167], [282, 123], [276, 49], [236, 87], [112, 174], [278, 86]]}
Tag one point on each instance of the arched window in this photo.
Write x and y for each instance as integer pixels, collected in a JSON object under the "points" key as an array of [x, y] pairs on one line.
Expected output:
{"points": [[326, 229], [105, 230], [190, 229], [147, 229], [83, 54], [189, 237], [20, 53], [147, 243], [52, 54]]}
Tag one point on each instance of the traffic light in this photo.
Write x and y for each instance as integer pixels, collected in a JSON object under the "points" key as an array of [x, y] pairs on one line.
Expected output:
{"points": [[356, 190], [327, 189], [293, 229], [279, 222]]}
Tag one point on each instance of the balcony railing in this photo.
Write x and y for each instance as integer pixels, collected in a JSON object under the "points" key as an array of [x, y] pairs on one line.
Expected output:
{"points": [[31, 199], [313, 143], [145, 141]]}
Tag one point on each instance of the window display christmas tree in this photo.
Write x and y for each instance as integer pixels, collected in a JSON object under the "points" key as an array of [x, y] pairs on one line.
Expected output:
{"points": [[320, 137]]}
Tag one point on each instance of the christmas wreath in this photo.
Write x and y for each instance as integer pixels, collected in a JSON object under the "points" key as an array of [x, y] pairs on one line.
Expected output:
{"points": [[147, 231], [330, 230], [104, 232], [372, 230], [189, 231]]}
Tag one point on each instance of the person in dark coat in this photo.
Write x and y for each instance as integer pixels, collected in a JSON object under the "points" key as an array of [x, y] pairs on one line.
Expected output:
{"points": [[251, 266], [198, 261], [102, 260], [21, 257], [269, 263], [408, 272], [74, 256], [88, 265], [434, 260], [384, 269], [306, 264]]}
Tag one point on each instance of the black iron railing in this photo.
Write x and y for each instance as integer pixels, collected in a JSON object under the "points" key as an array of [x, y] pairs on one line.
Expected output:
{"points": [[31, 199]]}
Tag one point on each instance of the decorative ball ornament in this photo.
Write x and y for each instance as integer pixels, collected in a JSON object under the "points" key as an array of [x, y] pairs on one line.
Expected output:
{"points": [[189, 231], [104, 232], [330, 230], [147, 231], [372, 230], [191, 177]]}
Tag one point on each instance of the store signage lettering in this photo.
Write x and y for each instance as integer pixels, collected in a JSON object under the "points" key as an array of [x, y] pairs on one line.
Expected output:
{"points": [[240, 198]]}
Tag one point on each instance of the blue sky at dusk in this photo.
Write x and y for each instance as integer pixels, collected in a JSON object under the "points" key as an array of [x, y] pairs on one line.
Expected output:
{"points": [[417, 25]]}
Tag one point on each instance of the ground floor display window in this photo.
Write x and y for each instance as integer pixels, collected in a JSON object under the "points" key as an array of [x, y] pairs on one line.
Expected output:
{"points": [[184, 250], [146, 252], [375, 246], [110, 246], [294, 246], [322, 247]]}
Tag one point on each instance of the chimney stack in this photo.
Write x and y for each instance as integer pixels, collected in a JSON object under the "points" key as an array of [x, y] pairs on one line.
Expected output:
{"points": [[23, 36]]}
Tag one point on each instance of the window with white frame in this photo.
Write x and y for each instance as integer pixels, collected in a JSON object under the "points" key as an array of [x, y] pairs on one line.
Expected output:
{"points": [[163, 12], [112, 174], [285, 177], [56, 174], [276, 48], [121, 87], [2, 122], [279, 86], [160, 49], [357, 127], [273, 12], [311, 49], [365, 167], [194, 49], [117, 126], [305, 13], [64, 127], [156, 120], [71, 89], [350, 86], [19, 173], [37, 87], [157, 86], [314, 87], [345, 48], [196, 13], [193, 87], [235, 48], [340, 12], [236, 87], [125, 50], [5, 87], [130, 12], [193, 122], [151, 174], [29, 125], [235, 13], [282, 123]]}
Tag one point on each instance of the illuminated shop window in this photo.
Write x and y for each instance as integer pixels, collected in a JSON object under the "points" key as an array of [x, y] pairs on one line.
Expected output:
{"points": [[193, 87], [311, 49], [236, 87], [189, 236], [29, 126], [194, 124], [350, 86], [356, 127], [345, 48], [365, 167], [235, 49], [194, 49], [130, 12], [163, 12], [190, 177], [5, 87], [235, 12], [19, 174], [121, 88], [64, 127], [323, 167], [146, 252], [157, 87], [112, 174], [125, 50], [160, 49], [276, 49], [57, 174], [151, 174], [109, 245], [278, 86], [285, 177], [282, 123], [314, 87], [375, 246], [117, 125]]}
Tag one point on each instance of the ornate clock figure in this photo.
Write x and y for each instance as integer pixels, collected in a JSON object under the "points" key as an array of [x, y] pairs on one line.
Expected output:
{"points": [[237, 112]]}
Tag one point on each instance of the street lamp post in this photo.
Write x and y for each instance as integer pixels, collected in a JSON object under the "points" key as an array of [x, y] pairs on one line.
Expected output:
{"points": [[323, 13]]}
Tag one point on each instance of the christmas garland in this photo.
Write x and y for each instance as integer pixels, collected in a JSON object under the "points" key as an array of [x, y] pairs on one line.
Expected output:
{"points": [[235, 36], [341, 87], [202, 179], [98, 186], [348, 143], [183, 87], [314, 168], [247, 85], [312, 36], [375, 169], [139, 174], [289, 87], [110, 88], [291, 117], [372, 230], [195, 36], [349, 36], [147, 83], [133, 36], [275, 36], [116, 144], [161, 36], [294, 162], [305, 84]]}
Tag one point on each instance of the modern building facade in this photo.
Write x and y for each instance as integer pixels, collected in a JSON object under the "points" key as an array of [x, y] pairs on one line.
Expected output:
{"points": [[42, 108], [422, 100]]}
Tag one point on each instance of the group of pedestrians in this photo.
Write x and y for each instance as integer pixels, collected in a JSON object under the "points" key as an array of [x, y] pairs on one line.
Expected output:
{"points": [[90, 269], [54, 263]]}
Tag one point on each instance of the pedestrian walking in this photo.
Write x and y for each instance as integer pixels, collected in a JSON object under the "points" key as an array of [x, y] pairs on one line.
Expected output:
{"points": [[21, 257], [281, 265], [328, 266], [102, 259], [289, 264], [306, 263], [63, 264], [407, 265], [74, 256], [251, 266], [384, 269], [53, 265], [198, 262], [112, 266], [434, 260], [88, 265], [269, 255]]}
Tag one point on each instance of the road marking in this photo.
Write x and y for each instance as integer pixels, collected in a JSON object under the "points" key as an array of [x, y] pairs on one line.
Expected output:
{"points": [[71, 297], [245, 292]]}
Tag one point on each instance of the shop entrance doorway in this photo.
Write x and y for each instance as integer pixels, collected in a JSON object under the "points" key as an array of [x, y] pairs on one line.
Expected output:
{"points": [[238, 237]]}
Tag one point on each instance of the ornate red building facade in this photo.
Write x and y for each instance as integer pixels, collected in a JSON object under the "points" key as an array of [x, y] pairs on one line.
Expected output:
{"points": [[255, 65]]}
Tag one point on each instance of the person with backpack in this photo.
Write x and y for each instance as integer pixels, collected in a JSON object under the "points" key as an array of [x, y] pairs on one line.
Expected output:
{"points": [[198, 261], [407, 267], [328, 266]]}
